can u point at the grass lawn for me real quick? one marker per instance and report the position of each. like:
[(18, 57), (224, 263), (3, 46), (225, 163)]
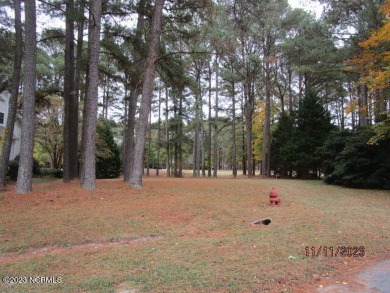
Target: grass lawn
[(188, 235)]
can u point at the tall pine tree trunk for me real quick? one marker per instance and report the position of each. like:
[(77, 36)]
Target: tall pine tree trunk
[(197, 150), (215, 151), (24, 182), (159, 131), (167, 132), (70, 146), (147, 93), (135, 85), (13, 101), (130, 143), (180, 163), (266, 154), (209, 143), (248, 127), (91, 100), (243, 148), (125, 116), (234, 155)]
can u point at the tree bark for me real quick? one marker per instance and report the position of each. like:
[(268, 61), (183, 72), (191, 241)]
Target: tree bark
[(125, 122), (77, 88), (167, 132), (197, 151), (248, 108), (24, 182), (147, 93), (91, 100), (130, 143), (70, 146), (215, 151), (266, 155), (13, 101), (234, 155), (149, 145), (158, 131), (209, 144), (180, 162), (135, 85)]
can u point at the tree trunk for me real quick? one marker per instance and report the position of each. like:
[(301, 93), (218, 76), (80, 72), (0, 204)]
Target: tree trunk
[(234, 155), (147, 93), (203, 150), (159, 131), (125, 117), (24, 182), (197, 150), (215, 152), (266, 155), (176, 140), (209, 144), (248, 127), (130, 143), (71, 113), (77, 88), (167, 132), (136, 81), (91, 100), (13, 101), (180, 162), (243, 148), (149, 145)]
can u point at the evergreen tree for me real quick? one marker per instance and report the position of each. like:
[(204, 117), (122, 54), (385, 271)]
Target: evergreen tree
[(24, 182), (15, 83), (282, 146), (108, 162), (313, 127), (357, 163), (88, 175)]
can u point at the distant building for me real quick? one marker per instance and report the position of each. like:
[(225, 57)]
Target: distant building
[(15, 148)]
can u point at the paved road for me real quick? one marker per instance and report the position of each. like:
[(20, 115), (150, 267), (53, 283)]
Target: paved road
[(375, 279)]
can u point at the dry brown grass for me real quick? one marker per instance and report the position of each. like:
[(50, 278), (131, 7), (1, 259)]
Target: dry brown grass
[(199, 232)]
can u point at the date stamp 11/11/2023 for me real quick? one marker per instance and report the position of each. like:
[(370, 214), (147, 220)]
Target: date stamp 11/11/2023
[(335, 251)]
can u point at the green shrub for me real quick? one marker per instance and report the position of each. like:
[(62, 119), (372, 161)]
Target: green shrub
[(353, 162), (52, 172), (108, 161), (13, 168)]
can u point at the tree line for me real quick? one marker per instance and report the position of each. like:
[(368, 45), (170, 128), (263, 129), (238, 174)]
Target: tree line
[(251, 85)]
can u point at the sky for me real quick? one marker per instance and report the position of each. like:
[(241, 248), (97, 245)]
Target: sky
[(309, 5)]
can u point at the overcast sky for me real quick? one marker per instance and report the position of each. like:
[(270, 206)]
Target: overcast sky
[(310, 5)]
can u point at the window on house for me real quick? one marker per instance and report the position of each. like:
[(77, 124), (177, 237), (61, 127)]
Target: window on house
[(1, 118)]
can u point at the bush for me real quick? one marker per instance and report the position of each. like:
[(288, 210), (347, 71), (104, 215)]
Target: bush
[(108, 161), (356, 163), (13, 168), (52, 172)]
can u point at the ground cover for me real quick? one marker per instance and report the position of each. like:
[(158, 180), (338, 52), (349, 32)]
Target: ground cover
[(189, 235)]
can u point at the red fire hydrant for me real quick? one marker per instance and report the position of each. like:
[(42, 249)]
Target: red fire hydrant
[(273, 197)]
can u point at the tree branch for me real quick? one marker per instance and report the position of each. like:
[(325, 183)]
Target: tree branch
[(183, 52)]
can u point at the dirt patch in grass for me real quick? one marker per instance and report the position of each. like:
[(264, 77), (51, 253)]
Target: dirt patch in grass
[(55, 249), (207, 242)]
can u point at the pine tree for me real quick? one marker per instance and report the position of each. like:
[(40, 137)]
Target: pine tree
[(147, 92), (88, 179), (24, 182), (313, 127), (6, 149)]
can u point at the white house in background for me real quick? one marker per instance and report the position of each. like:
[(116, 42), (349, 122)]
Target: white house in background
[(15, 149)]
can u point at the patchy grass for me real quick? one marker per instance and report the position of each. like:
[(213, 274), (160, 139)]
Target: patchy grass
[(199, 232), (39, 180)]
